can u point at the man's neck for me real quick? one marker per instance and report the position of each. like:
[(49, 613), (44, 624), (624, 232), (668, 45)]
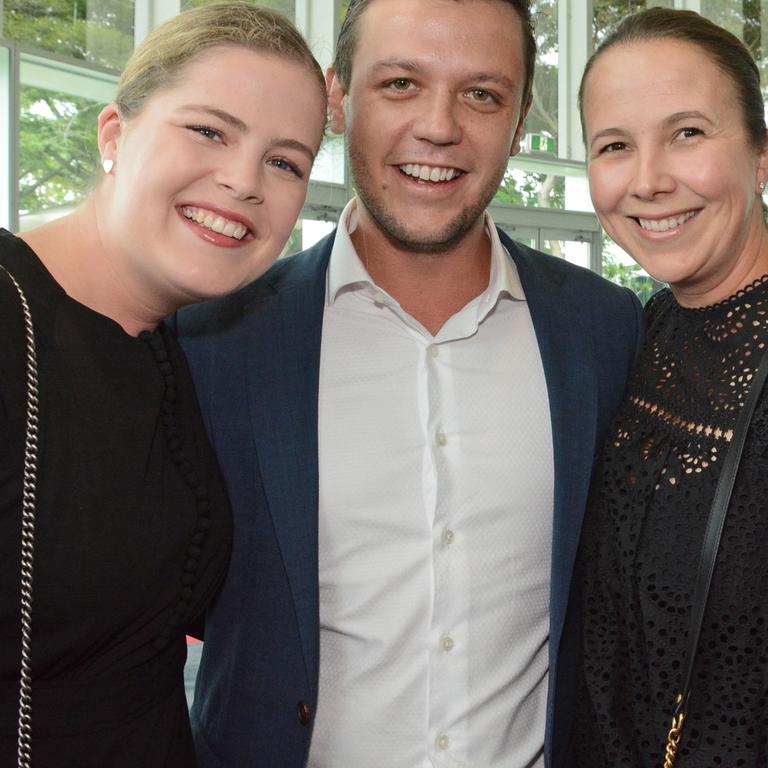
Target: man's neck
[(431, 287)]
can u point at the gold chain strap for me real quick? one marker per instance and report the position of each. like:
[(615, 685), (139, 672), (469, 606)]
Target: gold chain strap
[(673, 738)]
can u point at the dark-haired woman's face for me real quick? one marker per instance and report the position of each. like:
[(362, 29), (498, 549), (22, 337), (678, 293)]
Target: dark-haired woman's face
[(672, 174)]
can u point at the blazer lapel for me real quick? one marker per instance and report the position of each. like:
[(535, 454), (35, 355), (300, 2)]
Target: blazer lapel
[(283, 364), (568, 355)]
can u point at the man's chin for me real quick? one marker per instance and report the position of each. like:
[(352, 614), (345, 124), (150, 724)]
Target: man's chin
[(413, 239)]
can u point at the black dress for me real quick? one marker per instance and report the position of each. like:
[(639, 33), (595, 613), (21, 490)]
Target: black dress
[(642, 541), (132, 532)]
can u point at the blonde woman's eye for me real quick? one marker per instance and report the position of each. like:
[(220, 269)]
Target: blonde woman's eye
[(208, 133), (285, 165)]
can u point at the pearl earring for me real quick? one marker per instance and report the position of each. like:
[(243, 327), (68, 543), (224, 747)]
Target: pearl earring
[(761, 186), (107, 165)]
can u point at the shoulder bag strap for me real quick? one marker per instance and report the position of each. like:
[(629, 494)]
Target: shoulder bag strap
[(709, 549), (24, 748)]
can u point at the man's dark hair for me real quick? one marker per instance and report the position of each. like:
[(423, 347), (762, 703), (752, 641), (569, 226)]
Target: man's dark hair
[(347, 42)]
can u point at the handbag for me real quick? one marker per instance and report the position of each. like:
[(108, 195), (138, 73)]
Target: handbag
[(24, 744), (709, 549)]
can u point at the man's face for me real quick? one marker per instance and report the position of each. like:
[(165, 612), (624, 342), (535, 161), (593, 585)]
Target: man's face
[(432, 114)]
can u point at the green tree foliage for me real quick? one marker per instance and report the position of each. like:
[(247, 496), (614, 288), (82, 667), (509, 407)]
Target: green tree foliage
[(98, 32), (59, 153), (630, 276)]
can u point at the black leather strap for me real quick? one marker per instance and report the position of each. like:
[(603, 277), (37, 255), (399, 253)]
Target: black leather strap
[(715, 523)]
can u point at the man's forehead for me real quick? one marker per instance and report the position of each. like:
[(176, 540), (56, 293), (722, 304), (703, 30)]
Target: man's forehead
[(409, 35)]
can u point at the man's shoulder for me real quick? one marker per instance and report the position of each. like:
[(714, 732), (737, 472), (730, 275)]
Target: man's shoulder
[(541, 270), (303, 269)]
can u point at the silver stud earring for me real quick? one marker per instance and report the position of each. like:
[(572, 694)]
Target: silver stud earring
[(107, 165), (761, 186)]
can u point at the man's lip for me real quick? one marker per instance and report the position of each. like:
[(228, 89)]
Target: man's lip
[(224, 213), (455, 172)]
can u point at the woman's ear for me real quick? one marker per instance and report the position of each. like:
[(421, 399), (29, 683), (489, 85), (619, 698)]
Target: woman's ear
[(336, 97), (110, 128)]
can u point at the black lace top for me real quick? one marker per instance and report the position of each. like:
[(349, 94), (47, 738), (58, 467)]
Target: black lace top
[(642, 540)]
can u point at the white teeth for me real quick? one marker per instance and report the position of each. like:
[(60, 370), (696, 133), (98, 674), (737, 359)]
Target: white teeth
[(431, 173), (664, 225), (215, 223)]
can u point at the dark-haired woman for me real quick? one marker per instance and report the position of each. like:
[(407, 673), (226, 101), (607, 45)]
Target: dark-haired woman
[(676, 140)]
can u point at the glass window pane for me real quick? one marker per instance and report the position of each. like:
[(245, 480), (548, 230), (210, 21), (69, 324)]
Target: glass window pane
[(620, 268), (97, 31), (7, 215), (541, 123), (574, 251), (305, 234), (288, 7), (329, 165), (553, 184), (59, 157), (748, 20), (530, 188)]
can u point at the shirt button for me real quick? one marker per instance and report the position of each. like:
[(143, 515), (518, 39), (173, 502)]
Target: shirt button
[(304, 713), (447, 643), (379, 297), (442, 741), (433, 350), (448, 536), (441, 438)]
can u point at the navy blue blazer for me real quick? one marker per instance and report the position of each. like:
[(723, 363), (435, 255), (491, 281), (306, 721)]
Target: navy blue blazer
[(255, 358)]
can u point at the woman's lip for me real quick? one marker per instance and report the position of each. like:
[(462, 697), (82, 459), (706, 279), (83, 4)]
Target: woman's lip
[(224, 213), (668, 223), (218, 239)]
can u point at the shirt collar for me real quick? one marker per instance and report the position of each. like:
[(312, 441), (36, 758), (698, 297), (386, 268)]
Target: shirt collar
[(346, 271)]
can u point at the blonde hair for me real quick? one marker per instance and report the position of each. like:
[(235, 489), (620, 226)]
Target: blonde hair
[(159, 59)]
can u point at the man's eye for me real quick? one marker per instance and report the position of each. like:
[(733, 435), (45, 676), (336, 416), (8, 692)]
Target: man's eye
[(399, 84)]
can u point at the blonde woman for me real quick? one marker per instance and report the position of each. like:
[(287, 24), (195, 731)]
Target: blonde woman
[(206, 154)]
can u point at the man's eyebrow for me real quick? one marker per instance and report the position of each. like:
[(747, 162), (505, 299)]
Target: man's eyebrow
[(409, 65), (229, 119), (406, 64), (493, 77)]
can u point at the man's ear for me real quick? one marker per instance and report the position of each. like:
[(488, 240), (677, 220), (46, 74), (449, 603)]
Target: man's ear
[(336, 98), (520, 130), (110, 128)]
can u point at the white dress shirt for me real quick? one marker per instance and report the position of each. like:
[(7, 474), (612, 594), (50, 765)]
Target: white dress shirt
[(436, 493)]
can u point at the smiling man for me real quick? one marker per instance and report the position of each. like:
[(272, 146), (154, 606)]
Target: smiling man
[(407, 416)]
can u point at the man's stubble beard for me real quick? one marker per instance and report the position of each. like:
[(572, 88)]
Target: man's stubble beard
[(398, 232)]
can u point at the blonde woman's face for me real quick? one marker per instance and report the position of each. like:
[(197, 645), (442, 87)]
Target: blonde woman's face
[(210, 176)]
